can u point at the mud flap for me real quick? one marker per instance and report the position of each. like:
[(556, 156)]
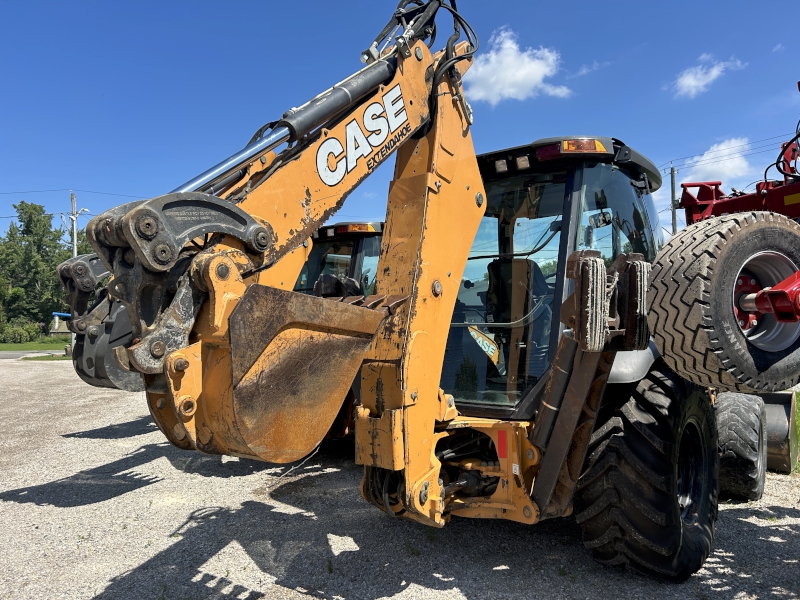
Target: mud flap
[(293, 359)]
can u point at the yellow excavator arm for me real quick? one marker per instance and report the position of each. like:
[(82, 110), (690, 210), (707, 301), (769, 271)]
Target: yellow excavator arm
[(233, 362)]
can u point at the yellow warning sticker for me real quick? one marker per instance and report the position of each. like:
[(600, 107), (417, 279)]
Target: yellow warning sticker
[(791, 199)]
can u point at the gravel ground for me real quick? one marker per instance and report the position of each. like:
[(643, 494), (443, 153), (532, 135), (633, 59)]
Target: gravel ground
[(93, 503)]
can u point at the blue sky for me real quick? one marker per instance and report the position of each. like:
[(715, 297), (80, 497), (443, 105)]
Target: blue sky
[(136, 98)]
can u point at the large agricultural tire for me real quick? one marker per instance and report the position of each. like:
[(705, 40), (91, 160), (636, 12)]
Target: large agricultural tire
[(691, 310), (647, 497), (742, 427)]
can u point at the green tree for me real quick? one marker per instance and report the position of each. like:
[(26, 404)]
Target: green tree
[(30, 251)]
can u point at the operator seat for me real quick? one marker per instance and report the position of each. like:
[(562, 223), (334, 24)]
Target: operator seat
[(518, 292)]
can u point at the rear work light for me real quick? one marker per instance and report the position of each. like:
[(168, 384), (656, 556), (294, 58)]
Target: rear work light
[(500, 166), (578, 146), (355, 227)]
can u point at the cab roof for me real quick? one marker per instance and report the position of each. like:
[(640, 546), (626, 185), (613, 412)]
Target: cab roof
[(558, 152)]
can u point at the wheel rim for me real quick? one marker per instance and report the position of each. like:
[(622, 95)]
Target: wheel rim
[(692, 472), (764, 270)]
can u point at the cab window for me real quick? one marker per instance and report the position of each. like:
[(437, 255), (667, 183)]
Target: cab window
[(498, 344), (370, 251), (331, 257), (613, 220)]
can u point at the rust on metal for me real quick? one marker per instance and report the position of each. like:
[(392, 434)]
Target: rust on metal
[(294, 358)]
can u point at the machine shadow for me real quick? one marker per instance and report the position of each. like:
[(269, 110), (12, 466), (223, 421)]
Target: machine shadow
[(118, 431), (92, 485), (725, 573), (119, 477), (292, 532)]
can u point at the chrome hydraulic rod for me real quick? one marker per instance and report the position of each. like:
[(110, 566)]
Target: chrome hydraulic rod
[(269, 142), (298, 122)]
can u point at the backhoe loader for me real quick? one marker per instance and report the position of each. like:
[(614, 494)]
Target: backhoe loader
[(504, 356)]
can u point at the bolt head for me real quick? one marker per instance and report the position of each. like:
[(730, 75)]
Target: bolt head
[(93, 331), (146, 227), (223, 270), (436, 288), (80, 270), (741, 323), (263, 160), (413, 395), (162, 254), (181, 364), (161, 403), (450, 402), (479, 199), (530, 454), (755, 322), (527, 512), (80, 325), (158, 348), (752, 282), (261, 240), (418, 53), (740, 281)]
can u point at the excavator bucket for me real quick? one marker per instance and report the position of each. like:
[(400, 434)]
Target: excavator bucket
[(293, 359)]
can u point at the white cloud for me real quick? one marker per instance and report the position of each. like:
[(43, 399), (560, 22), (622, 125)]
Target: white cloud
[(695, 80), (586, 69), (723, 162), (507, 72), (778, 48)]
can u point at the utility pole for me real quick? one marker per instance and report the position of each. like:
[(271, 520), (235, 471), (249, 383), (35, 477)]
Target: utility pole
[(74, 218), (674, 202)]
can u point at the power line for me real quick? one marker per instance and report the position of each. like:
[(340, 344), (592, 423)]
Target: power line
[(74, 190), (724, 157), (729, 147), (17, 216), (50, 215), (714, 161)]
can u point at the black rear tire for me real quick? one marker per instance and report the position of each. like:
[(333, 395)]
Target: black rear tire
[(742, 426), (691, 310), (647, 498)]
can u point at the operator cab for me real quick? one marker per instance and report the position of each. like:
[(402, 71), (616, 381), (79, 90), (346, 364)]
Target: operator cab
[(543, 202), (347, 252)]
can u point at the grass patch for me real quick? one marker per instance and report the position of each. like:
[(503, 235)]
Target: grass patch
[(47, 357), (45, 343)]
